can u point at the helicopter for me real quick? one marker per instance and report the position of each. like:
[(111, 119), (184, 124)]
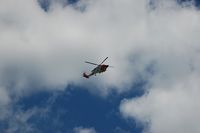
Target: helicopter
[(99, 69)]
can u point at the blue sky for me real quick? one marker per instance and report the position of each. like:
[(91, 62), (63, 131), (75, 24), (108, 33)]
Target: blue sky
[(76, 107), (41, 99)]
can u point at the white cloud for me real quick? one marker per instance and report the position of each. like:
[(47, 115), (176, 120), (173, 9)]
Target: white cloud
[(170, 102), (47, 50), (4, 96), (50, 48), (84, 130), (170, 109), (18, 120)]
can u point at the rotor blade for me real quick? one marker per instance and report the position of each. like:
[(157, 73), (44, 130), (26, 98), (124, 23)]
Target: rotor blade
[(91, 63), (104, 60)]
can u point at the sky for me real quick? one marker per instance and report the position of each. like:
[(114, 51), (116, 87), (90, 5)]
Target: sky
[(152, 44)]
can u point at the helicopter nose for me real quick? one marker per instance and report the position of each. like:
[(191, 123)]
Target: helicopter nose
[(106, 66)]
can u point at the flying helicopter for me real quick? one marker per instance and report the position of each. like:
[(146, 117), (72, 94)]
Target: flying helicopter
[(99, 69)]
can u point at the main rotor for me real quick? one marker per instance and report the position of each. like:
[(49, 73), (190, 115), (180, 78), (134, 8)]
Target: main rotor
[(96, 63)]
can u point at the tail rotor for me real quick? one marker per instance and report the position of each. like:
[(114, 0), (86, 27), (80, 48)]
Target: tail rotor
[(85, 75)]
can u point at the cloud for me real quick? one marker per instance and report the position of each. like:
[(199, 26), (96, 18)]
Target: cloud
[(167, 109), (4, 96), (18, 120), (84, 130), (46, 50), (169, 104)]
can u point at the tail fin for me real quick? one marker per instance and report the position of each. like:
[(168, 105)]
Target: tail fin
[(85, 75)]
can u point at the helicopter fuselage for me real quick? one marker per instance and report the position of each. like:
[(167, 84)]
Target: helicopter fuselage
[(99, 69)]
